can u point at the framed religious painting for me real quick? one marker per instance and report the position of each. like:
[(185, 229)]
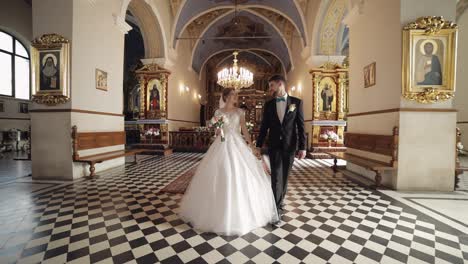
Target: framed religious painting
[(369, 75), (429, 60), (50, 69), (101, 80)]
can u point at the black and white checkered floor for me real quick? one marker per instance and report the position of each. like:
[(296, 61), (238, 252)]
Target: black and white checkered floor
[(121, 217)]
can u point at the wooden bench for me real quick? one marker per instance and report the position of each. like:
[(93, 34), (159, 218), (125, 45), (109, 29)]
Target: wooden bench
[(378, 144), (92, 140)]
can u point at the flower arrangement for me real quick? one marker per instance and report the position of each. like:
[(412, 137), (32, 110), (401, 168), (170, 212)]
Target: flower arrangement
[(330, 136), (461, 149), (152, 132), (250, 126), (218, 123)]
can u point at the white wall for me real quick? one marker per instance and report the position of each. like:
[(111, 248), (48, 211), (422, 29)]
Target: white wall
[(183, 106), (461, 94), (15, 19)]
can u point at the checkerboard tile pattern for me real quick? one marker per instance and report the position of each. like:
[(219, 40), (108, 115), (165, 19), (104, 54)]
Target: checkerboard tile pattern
[(122, 217)]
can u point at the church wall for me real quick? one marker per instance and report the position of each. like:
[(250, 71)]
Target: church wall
[(461, 94), (427, 139), (300, 78), (183, 106), (371, 42), (15, 19), (51, 146), (97, 43)]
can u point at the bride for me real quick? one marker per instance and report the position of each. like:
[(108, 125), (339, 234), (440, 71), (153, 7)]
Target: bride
[(230, 193)]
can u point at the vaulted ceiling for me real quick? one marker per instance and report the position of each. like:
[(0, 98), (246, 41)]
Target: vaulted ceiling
[(215, 26)]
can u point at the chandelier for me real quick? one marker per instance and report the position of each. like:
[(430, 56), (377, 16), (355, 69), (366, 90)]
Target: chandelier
[(235, 77)]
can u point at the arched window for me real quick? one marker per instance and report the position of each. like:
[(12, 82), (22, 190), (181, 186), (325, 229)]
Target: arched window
[(14, 68)]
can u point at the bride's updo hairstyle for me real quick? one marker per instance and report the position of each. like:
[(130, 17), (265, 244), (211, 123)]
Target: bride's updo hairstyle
[(226, 93)]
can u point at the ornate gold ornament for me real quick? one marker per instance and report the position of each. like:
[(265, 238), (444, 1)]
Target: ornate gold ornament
[(429, 60), (50, 100), (151, 76), (50, 66), (430, 95), (431, 24)]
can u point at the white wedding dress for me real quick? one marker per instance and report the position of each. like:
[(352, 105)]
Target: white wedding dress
[(230, 193)]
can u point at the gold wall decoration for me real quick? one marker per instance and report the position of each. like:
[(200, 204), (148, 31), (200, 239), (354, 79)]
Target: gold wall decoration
[(50, 69), (153, 92), (329, 105), (429, 60)]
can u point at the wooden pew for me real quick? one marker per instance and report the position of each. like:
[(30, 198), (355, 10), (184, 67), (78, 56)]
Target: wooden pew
[(91, 140), (378, 144)]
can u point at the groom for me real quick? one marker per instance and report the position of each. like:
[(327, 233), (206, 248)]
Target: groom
[(283, 119)]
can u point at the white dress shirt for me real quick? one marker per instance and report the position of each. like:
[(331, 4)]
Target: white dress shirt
[(281, 107)]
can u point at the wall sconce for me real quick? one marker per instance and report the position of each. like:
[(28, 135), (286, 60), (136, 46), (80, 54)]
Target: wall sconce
[(183, 89)]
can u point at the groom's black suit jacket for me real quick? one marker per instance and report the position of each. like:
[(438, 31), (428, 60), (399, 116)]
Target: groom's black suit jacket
[(289, 135)]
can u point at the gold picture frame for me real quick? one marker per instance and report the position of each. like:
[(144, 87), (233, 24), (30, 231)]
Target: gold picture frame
[(101, 80), (50, 69), (429, 60), (369, 75)]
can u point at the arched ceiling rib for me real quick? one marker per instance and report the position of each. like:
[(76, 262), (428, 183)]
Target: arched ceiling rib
[(287, 9), (248, 25)]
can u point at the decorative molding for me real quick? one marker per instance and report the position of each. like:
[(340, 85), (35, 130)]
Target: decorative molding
[(14, 118), (431, 24), (120, 23), (331, 25), (73, 111), (318, 60), (183, 121), (164, 62), (305, 53), (356, 11), (394, 110)]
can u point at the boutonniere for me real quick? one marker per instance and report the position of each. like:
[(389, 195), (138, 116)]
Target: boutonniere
[(292, 107)]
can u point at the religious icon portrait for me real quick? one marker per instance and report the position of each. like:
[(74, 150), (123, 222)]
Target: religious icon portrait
[(327, 95), (101, 80), (429, 53), (429, 57), (369, 75), (154, 95), (50, 69)]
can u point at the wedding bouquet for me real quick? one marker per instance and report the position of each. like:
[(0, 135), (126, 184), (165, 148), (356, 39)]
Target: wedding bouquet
[(330, 135), (218, 123), (249, 126)]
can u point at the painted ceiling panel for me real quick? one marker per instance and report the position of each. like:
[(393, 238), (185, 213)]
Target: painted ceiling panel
[(248, 25), (192, 8)]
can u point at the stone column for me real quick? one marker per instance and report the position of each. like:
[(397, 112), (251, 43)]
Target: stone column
[(97, 42), (426, 158)]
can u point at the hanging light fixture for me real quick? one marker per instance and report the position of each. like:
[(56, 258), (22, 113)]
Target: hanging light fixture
[(235, 77)]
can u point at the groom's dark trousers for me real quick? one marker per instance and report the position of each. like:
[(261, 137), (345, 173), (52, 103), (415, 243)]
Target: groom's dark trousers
[(284, 139)]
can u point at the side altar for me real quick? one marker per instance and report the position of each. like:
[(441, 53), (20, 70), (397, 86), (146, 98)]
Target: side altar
[(151, 128), (330, 106)]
